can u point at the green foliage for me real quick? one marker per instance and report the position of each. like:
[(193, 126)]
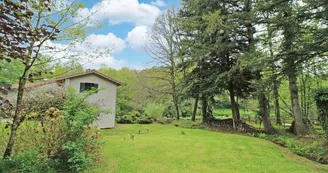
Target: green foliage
[(155, 110), (57, 69), (125, 119), (214, 46), (26, 162), (315, 150), (64, 140), (321, 99), (262, 135), (144, 120), (40, 100), (79, 115), (134, 117), (186, 108), (78, 159), (10, 72)]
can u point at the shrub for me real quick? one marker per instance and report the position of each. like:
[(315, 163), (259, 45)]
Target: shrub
[(263, 136), (125, 119), (37, 101), (134, 117), (65, 141), (78, 146), (144, 120), (155, 110), (26, 162), (321, 99), (185, 108), (315, 150)]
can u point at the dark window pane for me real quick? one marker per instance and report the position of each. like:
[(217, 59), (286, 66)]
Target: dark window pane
[(87, 86)]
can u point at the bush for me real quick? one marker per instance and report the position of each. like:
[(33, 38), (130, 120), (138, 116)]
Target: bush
[(125, 119), (321, 99), (37, 101), (155, 110), (145, 120), (26, 162), (315, 150), (185, 108), (134, 117), (79, 145), (64, 140)]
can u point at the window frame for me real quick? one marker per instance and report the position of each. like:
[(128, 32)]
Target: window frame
[(86, 86)]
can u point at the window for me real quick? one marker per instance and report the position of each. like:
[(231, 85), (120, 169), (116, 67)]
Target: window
[(87, 86)]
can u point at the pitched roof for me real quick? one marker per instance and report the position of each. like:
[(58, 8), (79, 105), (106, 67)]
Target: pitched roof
[(37, 84), (30, 85), (119, 83)]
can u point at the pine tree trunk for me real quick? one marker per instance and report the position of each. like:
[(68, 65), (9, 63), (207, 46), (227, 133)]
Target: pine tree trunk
[(176, 106), (276, 102), (193, 118), (204, 109), (234, 105), (302, 125), (264, 112)]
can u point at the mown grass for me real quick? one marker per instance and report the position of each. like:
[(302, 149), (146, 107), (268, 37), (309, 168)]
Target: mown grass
[(173, 149)]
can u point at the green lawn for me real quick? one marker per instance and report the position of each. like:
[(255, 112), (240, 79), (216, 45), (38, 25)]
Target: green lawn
[(166, 149), (229, 112)]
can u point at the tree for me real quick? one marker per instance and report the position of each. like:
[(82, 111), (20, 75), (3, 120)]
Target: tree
[(163, 48), (263, 101), (15, 28), (291, 30), (300, 24), (37, 24), (214, 39)]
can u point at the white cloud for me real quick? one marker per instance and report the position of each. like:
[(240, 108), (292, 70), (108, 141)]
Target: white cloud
[(109, 60), (118, 11), (159, 3), (88, 57), (100, 41), (137, 38)]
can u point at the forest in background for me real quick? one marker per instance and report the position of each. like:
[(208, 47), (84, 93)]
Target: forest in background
[(263, 59)]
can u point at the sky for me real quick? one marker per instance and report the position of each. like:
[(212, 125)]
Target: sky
[(124, 30)]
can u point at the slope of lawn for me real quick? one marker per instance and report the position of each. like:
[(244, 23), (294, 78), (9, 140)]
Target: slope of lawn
[(176, 150)]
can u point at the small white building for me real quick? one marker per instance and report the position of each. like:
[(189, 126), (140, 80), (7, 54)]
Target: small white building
[(105, 98)]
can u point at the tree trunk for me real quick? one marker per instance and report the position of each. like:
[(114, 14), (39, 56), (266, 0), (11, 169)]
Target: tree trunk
[(204, 109), (276, 102), (234, 105), (17, 120), (176, 106), (305, 94), (302, 124), (264, 112), (193, 118)]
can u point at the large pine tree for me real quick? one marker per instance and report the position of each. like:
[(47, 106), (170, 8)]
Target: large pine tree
[(216, 36)]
